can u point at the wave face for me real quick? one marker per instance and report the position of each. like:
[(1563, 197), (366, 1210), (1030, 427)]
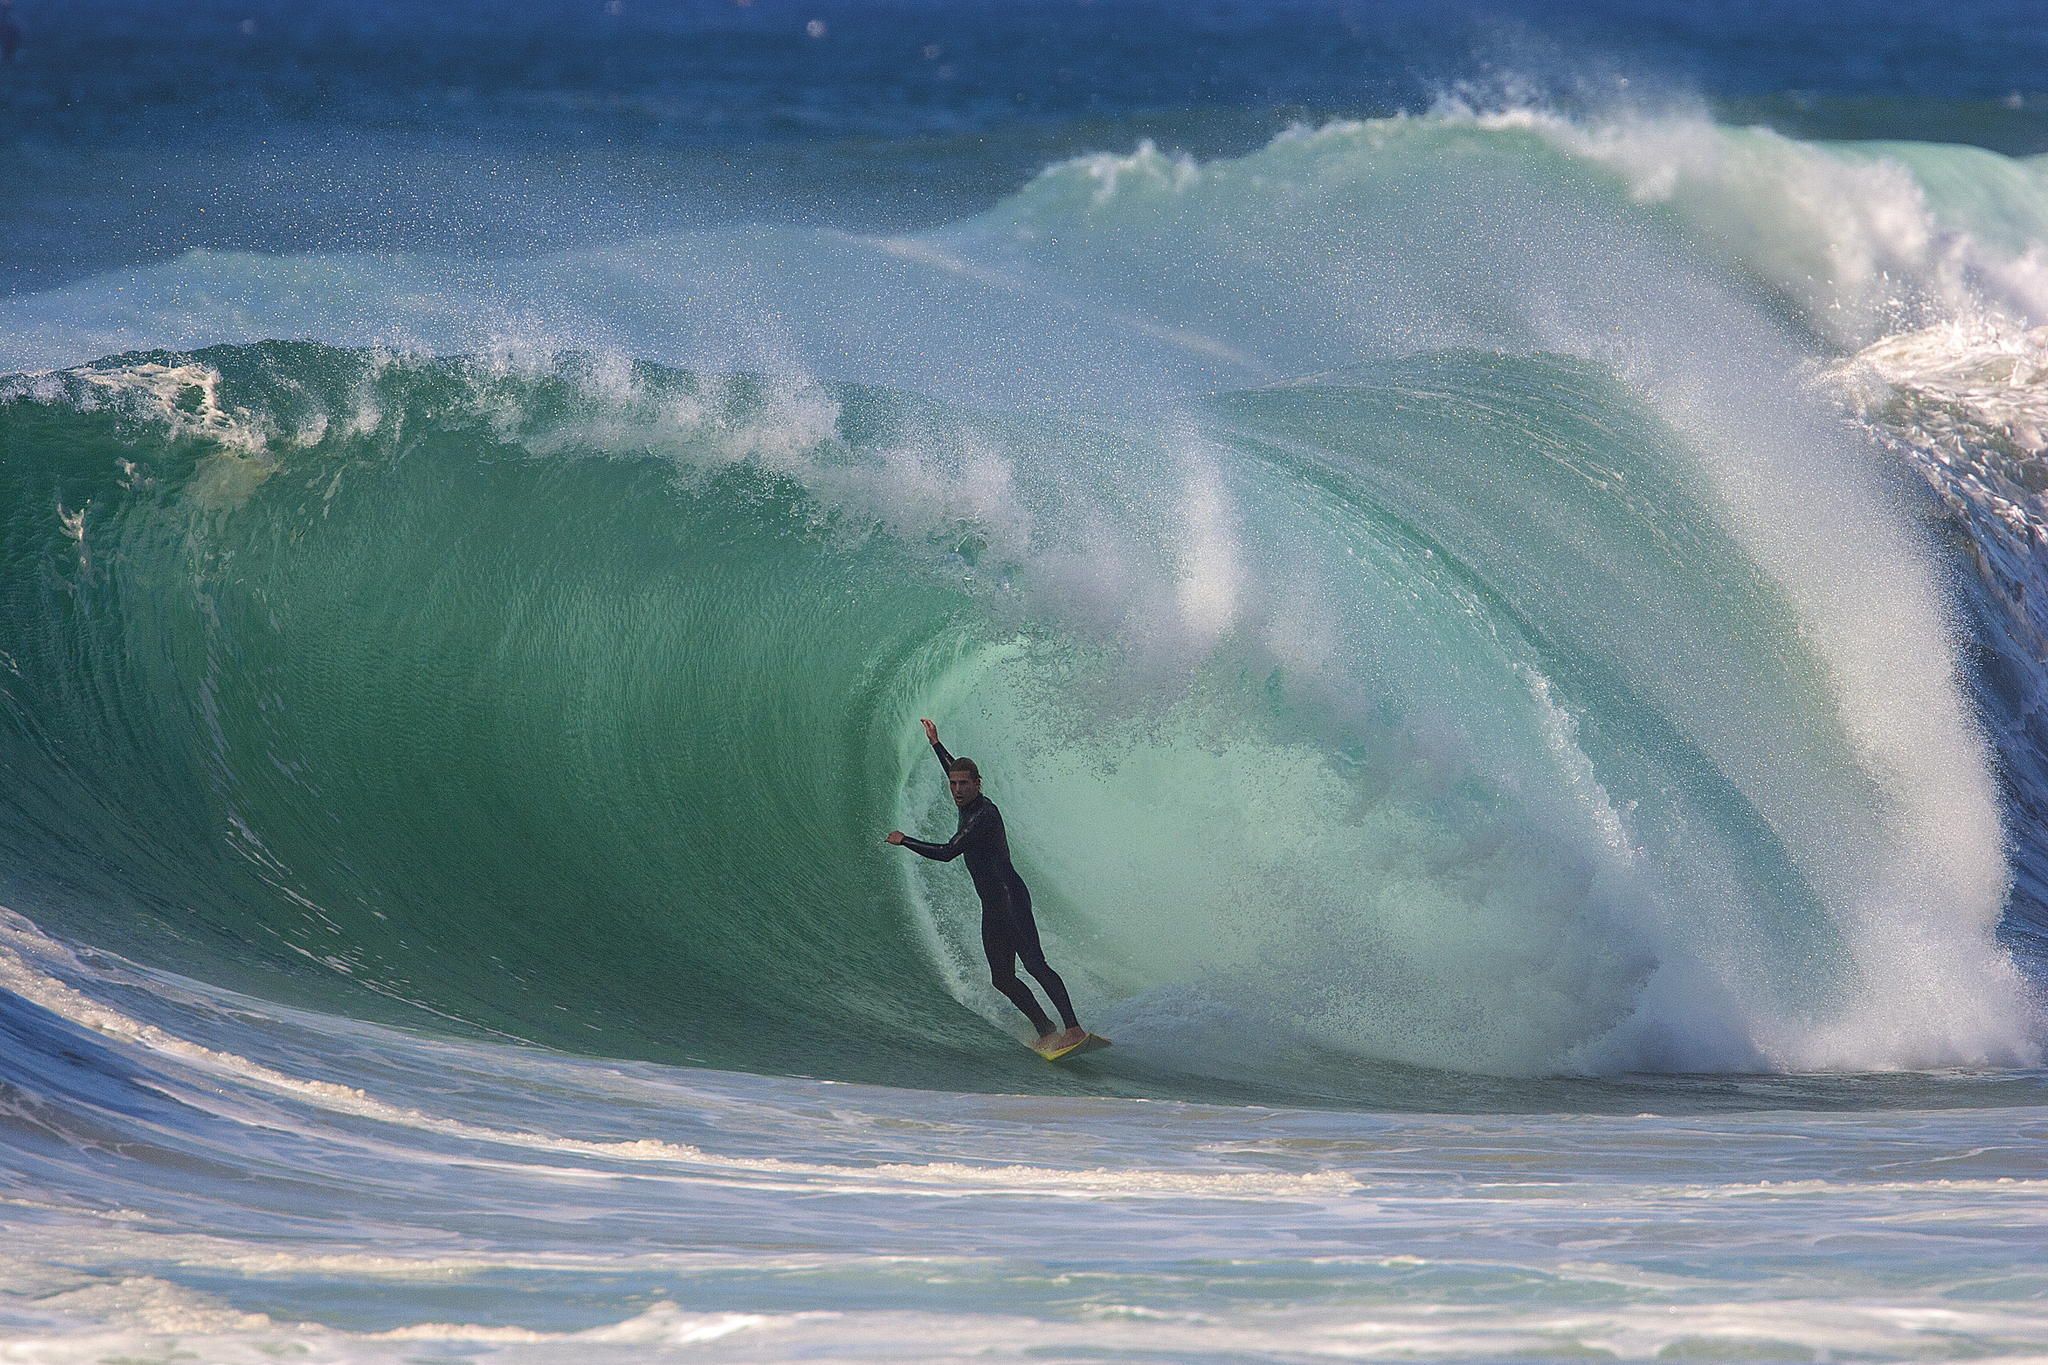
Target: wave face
[(1445, 713)]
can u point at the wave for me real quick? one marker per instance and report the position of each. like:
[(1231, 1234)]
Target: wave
[(1413, 588), (1440, 716)]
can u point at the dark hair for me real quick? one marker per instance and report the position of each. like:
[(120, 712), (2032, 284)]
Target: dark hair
[(964, 765)]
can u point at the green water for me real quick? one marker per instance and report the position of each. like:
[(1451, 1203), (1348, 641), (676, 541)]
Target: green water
[(1408, 718)]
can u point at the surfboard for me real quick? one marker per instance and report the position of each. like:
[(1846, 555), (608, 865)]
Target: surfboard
[(1091, 1043)]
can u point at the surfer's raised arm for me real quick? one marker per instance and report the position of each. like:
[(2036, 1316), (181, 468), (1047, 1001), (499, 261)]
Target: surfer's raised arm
[(931, 732), (955, 846)]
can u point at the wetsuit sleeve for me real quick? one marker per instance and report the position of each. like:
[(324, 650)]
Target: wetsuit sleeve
[(945, 759), (968, 832)]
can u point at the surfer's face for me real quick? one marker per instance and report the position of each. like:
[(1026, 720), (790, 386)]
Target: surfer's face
[(965, 788)]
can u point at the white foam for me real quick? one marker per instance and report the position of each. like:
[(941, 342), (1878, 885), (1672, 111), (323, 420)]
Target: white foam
[(22, 946), (1749, 1328), (1211, 574), (1852, 234), (186, 398), (1997, 375)]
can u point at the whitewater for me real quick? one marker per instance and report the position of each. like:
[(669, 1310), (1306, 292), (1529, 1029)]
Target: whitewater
[(1509, 636)]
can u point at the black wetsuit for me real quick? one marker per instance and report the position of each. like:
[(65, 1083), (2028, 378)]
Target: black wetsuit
[(1007, 930)]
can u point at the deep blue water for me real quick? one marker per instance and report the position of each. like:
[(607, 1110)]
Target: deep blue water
[(472, 127)]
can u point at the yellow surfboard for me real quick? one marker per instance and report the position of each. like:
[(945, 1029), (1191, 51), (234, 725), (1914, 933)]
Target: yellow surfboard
[(1089, 1044)]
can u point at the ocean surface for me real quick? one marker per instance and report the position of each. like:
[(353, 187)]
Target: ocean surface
[(1494, 557)]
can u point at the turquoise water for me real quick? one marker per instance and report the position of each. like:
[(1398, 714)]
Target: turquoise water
[(1506, 635)]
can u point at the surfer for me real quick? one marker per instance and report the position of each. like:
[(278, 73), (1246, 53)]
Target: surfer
[(1007, 930)]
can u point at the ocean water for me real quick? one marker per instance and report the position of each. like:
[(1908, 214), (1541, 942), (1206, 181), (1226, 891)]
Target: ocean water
[(1493, 558)]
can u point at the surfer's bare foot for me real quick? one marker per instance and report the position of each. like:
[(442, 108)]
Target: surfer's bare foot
[(1072, 1037)]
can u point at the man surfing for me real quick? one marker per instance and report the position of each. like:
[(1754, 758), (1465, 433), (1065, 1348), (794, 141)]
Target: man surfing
[(1007, 930)]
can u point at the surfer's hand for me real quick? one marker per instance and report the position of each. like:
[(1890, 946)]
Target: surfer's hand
[(895, 836), (931, 731)]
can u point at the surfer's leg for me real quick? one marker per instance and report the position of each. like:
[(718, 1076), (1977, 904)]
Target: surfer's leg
[(1054, 988), (1024, 939), (1002, 969)]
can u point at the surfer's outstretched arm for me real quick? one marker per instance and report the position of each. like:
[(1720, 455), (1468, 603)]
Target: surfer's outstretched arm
[(970, 829)]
